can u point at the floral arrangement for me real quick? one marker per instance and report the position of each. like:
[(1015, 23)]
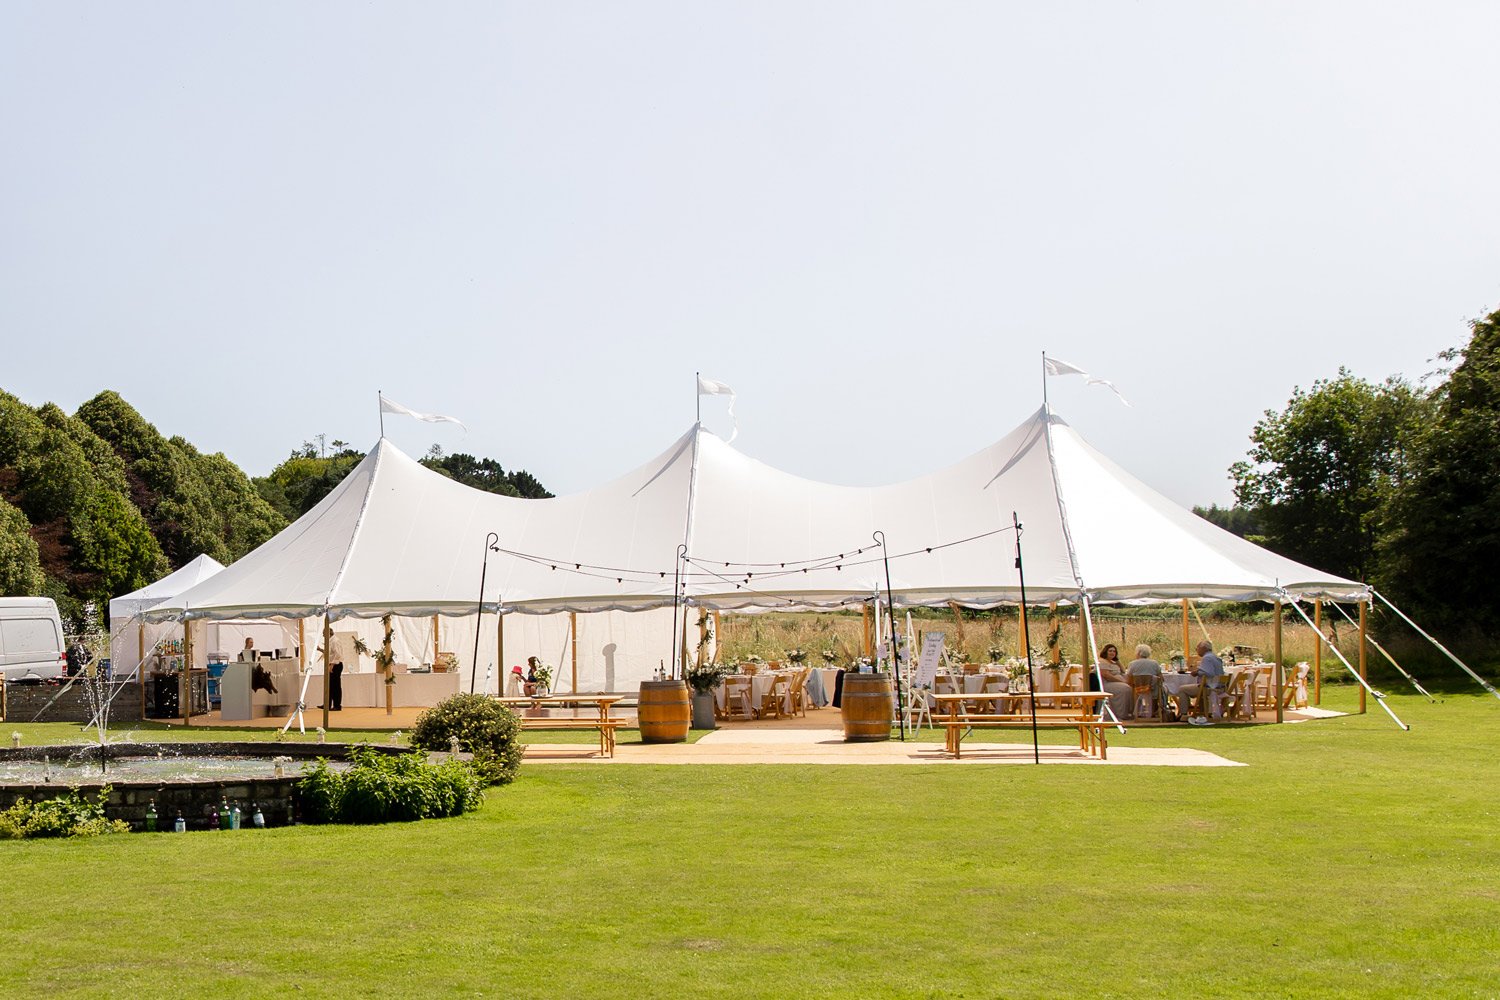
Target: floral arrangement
[(797, 656), (996, 654), (704, 677), (830, 657), (541, 674)]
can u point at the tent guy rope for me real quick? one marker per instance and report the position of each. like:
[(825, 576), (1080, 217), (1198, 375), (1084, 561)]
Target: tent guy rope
[(1379, 697)]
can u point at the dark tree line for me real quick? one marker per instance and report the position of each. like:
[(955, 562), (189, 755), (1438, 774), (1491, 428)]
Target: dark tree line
[(1395, 483)]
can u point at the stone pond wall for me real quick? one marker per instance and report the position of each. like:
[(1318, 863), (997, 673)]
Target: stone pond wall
[(129, 800)]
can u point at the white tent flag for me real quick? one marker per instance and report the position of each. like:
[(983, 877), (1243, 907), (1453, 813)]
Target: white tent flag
[(709, 387), (1056, 367), (390, 406)]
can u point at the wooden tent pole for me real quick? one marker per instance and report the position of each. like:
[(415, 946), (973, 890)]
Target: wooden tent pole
[(1276, 651), (1054, 653), (301, 645), (702, 638), (718, 637), (436, 639), (573, 645), (327, 658), (1318, 651), (185, 687), (1083, 641), (140, 668), (1187, 635), (1364, 606), (869, 642), (501, 676)]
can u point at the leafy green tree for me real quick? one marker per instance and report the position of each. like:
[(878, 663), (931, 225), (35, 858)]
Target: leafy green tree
[(1440, 554), (306, 477), (484, 474), (1236, 519), (194, 503), (310, 473), (20, 568), (1321, 470)]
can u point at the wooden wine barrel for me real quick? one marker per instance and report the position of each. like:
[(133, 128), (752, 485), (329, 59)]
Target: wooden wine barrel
[(664, 711), (868, 707)]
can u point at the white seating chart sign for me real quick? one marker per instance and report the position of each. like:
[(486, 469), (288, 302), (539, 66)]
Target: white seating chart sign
[(932, 651)]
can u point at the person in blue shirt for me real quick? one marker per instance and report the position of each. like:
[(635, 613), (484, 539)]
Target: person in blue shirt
[(1210, 673)]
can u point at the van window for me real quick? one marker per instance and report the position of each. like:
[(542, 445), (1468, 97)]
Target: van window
[(20, 636)]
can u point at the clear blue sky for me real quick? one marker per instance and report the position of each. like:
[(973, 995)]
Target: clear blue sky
[(868, 218)]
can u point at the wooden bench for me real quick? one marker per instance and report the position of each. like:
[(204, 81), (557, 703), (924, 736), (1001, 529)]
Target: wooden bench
[(1084, 717), (1090, 730), (603, 721), (606, 729)]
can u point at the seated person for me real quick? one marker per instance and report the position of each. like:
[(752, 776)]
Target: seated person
[(1115, 683), (1144, 667), (247, 654), (1210, 671), (1210, 674)]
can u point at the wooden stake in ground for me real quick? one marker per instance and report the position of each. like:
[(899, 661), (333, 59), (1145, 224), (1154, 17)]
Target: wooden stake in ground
[(1276, 675)]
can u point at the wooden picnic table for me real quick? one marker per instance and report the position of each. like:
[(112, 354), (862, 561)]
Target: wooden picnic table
[(601, 720), (1084, 714)]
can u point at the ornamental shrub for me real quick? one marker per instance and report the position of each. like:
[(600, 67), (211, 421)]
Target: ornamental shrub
[(384, 788), (68, 815), (484, 728)]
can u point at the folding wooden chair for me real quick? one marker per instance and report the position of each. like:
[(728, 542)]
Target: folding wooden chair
[(773, 702), (1238, 698), (737, 698), (1145, 689)]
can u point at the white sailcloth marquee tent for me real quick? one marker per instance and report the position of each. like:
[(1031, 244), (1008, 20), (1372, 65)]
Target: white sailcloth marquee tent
[(129, 634), (734, 534)]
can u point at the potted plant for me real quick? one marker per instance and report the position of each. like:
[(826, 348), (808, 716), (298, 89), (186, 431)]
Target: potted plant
[(703, 678)]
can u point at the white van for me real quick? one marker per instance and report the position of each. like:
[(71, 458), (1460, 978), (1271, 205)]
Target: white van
[(31, 639)]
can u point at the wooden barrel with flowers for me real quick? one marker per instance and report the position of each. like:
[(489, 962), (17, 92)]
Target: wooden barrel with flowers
[(868, 707), (664, 710)]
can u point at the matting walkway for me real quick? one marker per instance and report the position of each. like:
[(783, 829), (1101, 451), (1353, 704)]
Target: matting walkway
[(827, 746)]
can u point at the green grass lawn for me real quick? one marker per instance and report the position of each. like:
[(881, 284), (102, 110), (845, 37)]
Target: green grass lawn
[(1349, 859)]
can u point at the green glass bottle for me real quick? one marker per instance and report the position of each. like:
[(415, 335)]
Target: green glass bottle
[(151, 817)]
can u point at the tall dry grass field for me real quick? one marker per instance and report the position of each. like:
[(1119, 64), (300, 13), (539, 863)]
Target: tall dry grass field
[(772, 635)]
